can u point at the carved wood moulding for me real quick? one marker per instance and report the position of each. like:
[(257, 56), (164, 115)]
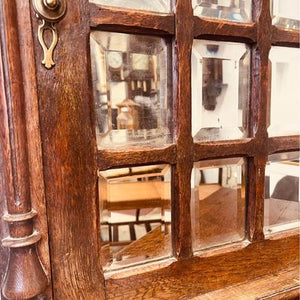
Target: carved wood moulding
[(25, 276)]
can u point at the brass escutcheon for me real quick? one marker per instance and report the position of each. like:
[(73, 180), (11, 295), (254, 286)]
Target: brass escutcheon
[(49, 12)]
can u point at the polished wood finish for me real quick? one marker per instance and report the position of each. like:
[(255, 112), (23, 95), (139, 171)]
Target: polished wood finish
[(202, 274), (25, 276), (107, 159), (137, 22), (69, 156), (61, 153)]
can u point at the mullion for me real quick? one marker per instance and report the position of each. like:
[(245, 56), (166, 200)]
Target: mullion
[(258, 119), (181, 191)]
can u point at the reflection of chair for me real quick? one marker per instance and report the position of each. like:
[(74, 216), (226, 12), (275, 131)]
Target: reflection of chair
[(287, 188), (137, 195)]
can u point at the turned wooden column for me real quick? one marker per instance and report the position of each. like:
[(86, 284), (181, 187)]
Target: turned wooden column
[(25, 277)]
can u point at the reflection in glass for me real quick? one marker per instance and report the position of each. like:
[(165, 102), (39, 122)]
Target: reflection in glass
[(220, 90), (232, 10), (130, 81), (161, 6), (286, 13), (282, 209), (285, 91), (135, 215), (218, 202)]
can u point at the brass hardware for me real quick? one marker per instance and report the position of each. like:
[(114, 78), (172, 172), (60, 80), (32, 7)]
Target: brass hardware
[(49, 12)]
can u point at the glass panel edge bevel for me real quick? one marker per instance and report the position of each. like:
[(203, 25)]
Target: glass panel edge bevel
[(284, 106), (220, 90), (234, 11), (131, 89), (285, 14)]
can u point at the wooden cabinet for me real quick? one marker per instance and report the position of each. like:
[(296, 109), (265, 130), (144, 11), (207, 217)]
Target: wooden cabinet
[(50, 158)]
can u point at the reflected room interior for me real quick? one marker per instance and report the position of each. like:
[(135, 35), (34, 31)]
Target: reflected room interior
[(130, 79), (135, 214), (218, 202), (282, 209)]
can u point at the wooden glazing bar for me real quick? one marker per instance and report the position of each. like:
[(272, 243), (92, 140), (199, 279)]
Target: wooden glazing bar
[(120, 158), (208, 150), (202, 274), (181, 177), (285, 37), (132, 21), (224, 30), (258, 119), (284, 144)]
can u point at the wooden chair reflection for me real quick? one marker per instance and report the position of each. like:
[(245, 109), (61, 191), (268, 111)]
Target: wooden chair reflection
[(138, 193)]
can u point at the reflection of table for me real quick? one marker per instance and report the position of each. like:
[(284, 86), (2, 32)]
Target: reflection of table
[(218, 217), (137, 195)]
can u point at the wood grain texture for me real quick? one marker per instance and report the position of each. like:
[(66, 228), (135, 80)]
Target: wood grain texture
[(281, 285), (107, 159), (224, 30), (117, 19), (5, 171), (285, 37), (218, 149), (33, 134), (284, 144), (69, 157), (25, 277), (181, 175), (188, 278)]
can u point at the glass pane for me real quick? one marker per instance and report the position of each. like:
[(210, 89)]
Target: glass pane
[(220, 90), (161, 6), (286, 13), (130, 82), (285, 91), (282, 209), (218, 202), (232, 10), (135, 215)]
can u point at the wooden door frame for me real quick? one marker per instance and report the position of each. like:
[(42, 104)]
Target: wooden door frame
[(51, 111)]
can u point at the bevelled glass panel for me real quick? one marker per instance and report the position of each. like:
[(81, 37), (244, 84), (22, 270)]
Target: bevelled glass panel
[(161, 6), (135, 215), (284, 110), (220, 90), (130, 78), (232, 10), (218, 202), (286, 13), (282, 209)]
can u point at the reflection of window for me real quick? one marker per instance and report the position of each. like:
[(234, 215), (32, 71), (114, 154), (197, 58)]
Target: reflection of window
[(220, 90), (233, 10), (130, 76), (285, 91), (286, 13), (282, 203)]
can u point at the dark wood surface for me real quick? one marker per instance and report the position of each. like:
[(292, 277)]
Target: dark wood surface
[(186, 279), (117, 19), (25, 276), (66, 159), (69, 158)]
